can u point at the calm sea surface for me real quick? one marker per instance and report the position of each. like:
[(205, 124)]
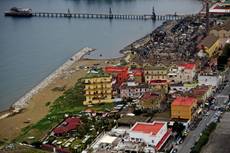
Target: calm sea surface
[(31, 48)]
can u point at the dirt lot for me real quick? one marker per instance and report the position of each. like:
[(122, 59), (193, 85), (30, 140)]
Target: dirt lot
[(220, 139)]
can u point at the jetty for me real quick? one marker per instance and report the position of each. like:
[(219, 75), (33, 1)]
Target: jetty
[(110, 15)]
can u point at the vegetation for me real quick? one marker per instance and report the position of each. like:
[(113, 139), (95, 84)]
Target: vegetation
[(178, 128), (223, 58), (204, 138), (48, 103), (71, 103)]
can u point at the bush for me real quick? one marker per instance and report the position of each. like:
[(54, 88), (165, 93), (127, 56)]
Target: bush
[(204, 138), (48, 103)]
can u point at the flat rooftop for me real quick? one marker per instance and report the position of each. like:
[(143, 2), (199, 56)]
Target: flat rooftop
[(149, 128)]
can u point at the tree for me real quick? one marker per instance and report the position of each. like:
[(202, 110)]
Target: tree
[(178, 128), (223, 58)]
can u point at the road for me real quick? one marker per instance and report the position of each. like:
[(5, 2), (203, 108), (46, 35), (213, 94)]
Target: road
[(194, 135)]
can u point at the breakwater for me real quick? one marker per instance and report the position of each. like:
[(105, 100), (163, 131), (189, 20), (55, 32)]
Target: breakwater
[(23, 101)]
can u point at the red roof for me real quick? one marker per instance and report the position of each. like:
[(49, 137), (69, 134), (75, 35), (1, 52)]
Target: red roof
[(149, 95), (184, 101), (137, 72), (116, 69), (163, 140), (189, 66), (158, 81), (149, 128), (69, 124)]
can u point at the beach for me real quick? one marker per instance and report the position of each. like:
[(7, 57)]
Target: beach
[(35, 106)]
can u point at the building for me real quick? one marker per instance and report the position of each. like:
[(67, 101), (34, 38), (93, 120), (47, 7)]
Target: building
[(137, 74), (182, 73), (120, 73), (98, 88), (133, 90), (211, 79), (66, 126), (221, 31), (187, 72), (156, 72), (152, 134), (201, 93), (159, 85), (173, 74), (182, 87), (183, 108), (151, 101), (220, 8), (209, 44)]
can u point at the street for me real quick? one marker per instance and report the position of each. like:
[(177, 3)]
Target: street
[(194, 135)]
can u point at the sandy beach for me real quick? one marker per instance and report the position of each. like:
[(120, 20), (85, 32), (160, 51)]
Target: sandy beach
[(36, 109)]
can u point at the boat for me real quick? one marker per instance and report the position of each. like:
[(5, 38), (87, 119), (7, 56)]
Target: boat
[(19, 12)]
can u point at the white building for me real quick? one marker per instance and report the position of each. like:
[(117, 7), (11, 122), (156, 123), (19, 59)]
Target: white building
[(209, 79), (152, 134), (182, 73)]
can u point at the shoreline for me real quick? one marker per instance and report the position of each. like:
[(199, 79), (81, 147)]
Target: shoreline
[(22, 102), (36, 107)]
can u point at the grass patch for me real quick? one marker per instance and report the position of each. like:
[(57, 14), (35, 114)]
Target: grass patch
[(204, 138), (71, 103)]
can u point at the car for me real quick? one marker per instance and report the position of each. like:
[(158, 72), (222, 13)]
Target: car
[(208, 113), (174, 150), (178, 140)]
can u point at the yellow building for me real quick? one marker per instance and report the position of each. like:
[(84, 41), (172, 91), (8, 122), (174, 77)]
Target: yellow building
[(156, 72), (98, 89), (210, 44), (183, 108)]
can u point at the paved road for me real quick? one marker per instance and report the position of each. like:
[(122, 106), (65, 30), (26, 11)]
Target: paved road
[(190, 140)]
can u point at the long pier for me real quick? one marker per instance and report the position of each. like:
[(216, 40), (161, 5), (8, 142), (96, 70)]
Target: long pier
[(110, 16)]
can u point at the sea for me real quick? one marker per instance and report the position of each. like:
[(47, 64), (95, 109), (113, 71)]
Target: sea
[(32, 48)]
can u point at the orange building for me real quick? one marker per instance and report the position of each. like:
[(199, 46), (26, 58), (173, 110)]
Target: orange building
[(183, 108), (120, 73)]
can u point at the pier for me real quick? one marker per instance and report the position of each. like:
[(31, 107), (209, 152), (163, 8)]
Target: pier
[(110, 16)]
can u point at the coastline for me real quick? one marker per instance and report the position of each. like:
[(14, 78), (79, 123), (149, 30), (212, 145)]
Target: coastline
[(32, 106), (12, 123), (22, 102)]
